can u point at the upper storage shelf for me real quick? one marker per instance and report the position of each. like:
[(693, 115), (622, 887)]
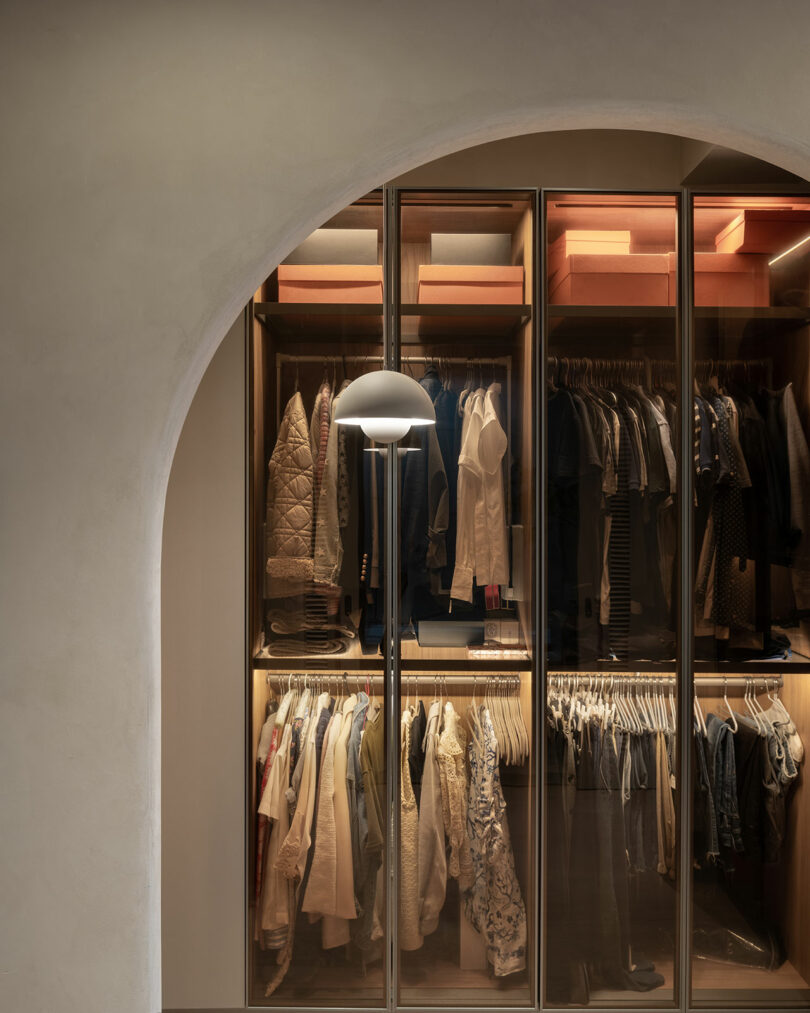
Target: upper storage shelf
[(364, 321)]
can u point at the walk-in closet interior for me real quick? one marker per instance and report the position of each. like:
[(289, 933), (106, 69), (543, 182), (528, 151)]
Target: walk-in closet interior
[(528, 687)]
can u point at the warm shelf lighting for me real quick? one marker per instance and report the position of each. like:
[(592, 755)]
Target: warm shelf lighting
[(790, 250)]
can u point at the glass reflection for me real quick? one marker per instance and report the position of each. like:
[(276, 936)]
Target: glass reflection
[(751, 606), (318, 799), (611, 558)]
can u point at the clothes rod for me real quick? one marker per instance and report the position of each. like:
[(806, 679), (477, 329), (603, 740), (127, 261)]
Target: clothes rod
[(326, 360), (653, 678), (353, 678)]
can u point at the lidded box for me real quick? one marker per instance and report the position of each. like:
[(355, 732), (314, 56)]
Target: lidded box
[(594, 279), (470, 283)]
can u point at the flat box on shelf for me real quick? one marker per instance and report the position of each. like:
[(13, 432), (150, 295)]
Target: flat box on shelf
[(764, 230), (339, 283), (337, 246), (586, 241), (631, 279), (725, 279), (479, 248), (475, 284)]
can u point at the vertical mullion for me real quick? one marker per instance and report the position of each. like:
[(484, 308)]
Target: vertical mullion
[(685, 625), (541, 581), (391, 684)]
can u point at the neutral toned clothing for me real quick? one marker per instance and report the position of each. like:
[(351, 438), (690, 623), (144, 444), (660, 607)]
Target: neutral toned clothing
[(289, 514), (469, 486), (481, 534), (335, 927), (292, 856), (320, 897), (453, 779), (274, 904), (328, 557), (432, 860), (493, 903), (492, 555), (410, 938)]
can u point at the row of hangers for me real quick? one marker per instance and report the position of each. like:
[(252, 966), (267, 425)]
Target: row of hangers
[(757, 712), (584, 371), (635, 704), (502, 700)]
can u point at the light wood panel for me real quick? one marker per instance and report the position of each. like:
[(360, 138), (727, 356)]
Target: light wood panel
[(796, 697)]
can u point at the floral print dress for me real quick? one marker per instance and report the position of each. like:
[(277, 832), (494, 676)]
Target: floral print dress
[(493, 904)]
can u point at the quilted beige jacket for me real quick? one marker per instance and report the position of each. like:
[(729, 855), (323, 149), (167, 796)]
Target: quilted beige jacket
[(288, 529)]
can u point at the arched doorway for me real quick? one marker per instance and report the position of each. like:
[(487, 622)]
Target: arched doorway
[(623, 159)]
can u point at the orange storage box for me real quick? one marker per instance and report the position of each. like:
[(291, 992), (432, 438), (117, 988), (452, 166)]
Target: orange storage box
[(726, 279), (586, 241), (462, 283), (631, 279), (764, 230), (352, 283)]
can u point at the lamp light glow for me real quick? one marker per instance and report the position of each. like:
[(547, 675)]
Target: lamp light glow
[(385, 404)]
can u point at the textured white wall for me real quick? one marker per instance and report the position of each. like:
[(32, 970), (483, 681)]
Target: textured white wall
[(158, 160)]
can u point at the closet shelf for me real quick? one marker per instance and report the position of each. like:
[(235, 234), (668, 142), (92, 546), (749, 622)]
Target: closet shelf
[(322, 321), (374, 662), (462, 320), (361, 321), (753, 668), (657, 324)]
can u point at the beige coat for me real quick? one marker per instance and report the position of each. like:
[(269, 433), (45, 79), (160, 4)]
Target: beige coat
[(289, 517), (328, 543)]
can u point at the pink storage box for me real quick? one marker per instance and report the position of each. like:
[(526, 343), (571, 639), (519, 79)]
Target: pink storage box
[(586, 241), (632, 279), (725, 279), (462, 283), (764, 230), (352, 283)]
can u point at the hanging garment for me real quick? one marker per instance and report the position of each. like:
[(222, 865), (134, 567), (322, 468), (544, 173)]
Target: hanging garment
[(416, 757), (328, 553), (492, 553), (424, 516), (446, 407), (335, 929), (320, 895), (798, 457), (469, 499), (274, 910), (453, 780), (372, 765), (292, 855), (432, 860), (319, 434), (410, 937), (493, 903), (289, 515)]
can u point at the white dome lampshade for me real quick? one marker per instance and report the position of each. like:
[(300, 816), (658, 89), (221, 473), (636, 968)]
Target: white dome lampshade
[(385, 405)]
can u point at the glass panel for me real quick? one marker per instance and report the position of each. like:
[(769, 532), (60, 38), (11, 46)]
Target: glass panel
[(318, 791), (466, 894), (751, 601), (611, 563)]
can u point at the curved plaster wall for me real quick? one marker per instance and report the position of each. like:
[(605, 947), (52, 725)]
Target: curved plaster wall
[(159, 159)]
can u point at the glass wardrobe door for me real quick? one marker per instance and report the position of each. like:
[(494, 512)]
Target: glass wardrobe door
[(466, 786), (751, 600), (610, 555), (317, 799)]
